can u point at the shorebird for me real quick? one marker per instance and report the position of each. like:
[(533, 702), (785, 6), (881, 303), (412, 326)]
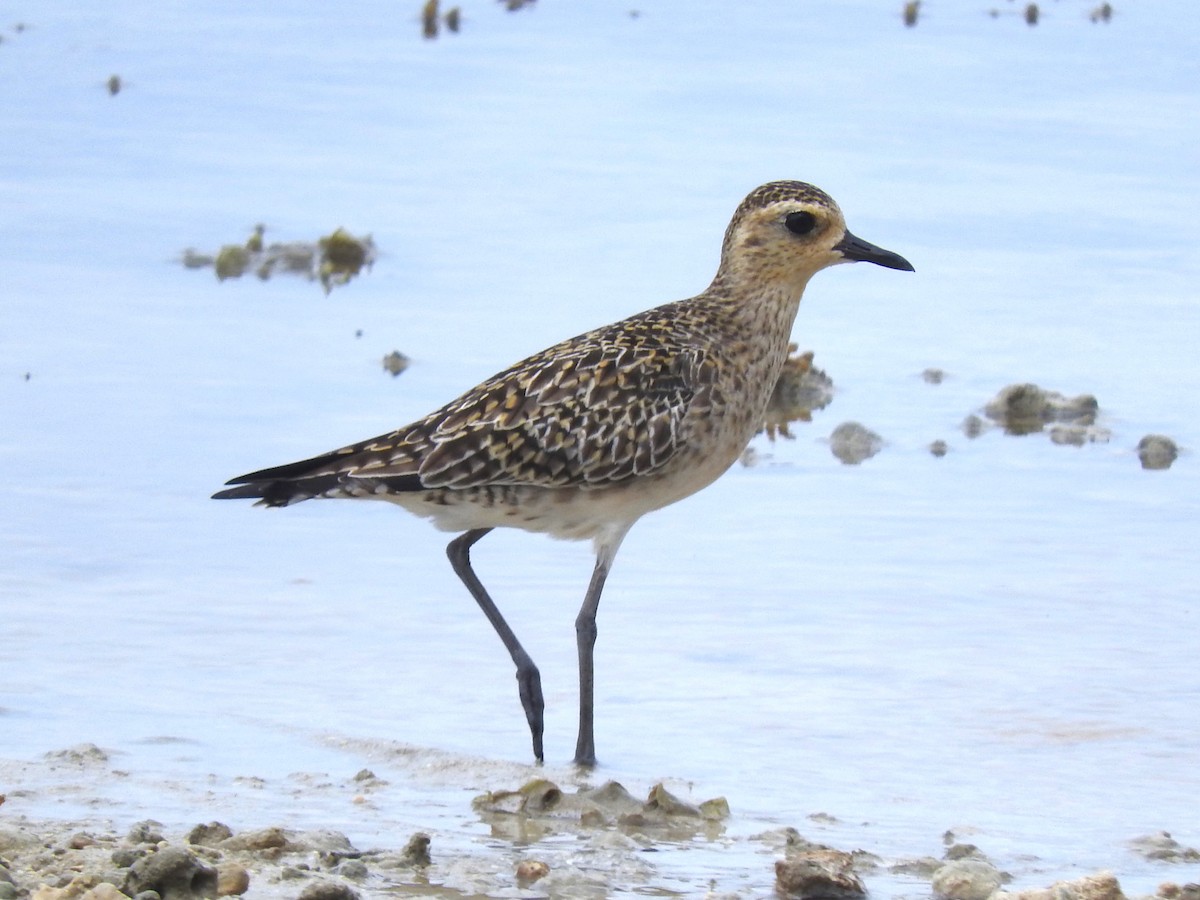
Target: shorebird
[(583, 439)]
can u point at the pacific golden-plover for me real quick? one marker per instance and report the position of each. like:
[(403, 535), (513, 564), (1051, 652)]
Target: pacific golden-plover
[(583, 439)]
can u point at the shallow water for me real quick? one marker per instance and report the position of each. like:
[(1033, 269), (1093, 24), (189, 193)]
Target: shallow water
[(999, 642)]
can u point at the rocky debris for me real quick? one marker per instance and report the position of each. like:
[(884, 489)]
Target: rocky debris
[(147, 831), (973, 426), (209, 835), (939, 448), (328, 890), (212, 861), (80, 755), (174, 873), (933, 376), (1171, 891), (1161, 846), (1026, 408), (1101, 886), (541, 807), (852, 443), (821, 872), (1078, 435), (966, 878), (395, 363), (530, 870), (416, 851), (1157, 451), (333, 260), (233, 879), (800, 390)]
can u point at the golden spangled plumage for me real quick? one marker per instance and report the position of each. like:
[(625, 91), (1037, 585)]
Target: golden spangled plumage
[(582, 439)]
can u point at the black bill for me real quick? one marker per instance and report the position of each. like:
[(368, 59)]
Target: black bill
[(858, 250)]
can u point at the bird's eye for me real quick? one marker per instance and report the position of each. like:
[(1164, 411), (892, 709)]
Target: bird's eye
[(800, 222)]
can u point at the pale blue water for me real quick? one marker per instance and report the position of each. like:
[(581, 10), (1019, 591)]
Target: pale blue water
[(1000, 641)]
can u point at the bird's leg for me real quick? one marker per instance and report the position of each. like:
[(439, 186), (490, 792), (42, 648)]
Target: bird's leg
[(585, 637), (529, 680)]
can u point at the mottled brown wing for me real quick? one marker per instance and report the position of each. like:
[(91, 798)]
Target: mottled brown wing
[(572, 415)]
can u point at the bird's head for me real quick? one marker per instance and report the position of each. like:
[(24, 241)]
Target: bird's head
[(786, 231)]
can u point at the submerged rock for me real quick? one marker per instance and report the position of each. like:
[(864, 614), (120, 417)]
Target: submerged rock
[(541, 807), (416, 850), (852, 443), (1078, 435), (395, 363), (800, 390), (1161, 846), (333, 259), (1027, 408), (1157, 451)]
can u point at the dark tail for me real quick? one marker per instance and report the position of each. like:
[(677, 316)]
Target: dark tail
[(328, 475)]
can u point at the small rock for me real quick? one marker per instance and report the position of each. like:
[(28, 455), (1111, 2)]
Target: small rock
[(1157, 451), (963, 851), (667, 803), (395, 363), (1078, 435), (8, 890), (13, 839), (613, 798), (818, 873), (933, 376), (540, 795), (232, 879), (416, 851), (939, 448), (104, 891), (801, 389), (124, 857), (852, 443), (354, 869), (147, 831), (231, 262), (530, 870), (175, 873), (716, 809), (1026, 408), (966, 879), (80, 755), (1161, 846), (209, 835), (328, 890), (1101, 886), (273, 838)]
